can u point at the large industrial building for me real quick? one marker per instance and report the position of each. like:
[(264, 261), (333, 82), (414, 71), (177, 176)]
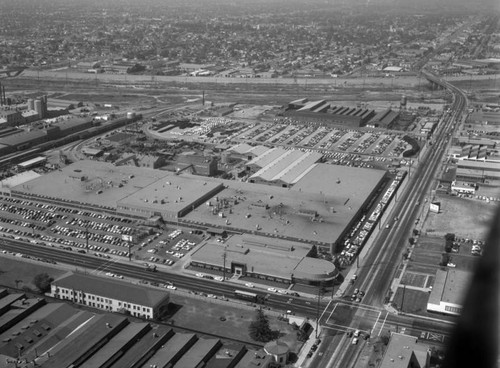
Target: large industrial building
[(321, 112), (448, 292), (383, 119), (36, 333), (21, 140), (110, 295), (320, 206), (405, 351), (264, 258), (477, 171), (281, 167)]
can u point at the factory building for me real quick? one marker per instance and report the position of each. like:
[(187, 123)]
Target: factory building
[(110, 295), (282, 167), (383, 119), (171, 198), (448, 292), (477, 171), (264, 258), (405, 351), (10, 117), (320, 206), (322, 113), (196, 164), (57, 334)]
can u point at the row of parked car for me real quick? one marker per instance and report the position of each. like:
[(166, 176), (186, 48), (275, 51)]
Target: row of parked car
[(100, 226), (91, 236)]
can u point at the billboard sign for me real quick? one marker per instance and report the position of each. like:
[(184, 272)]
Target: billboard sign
[(435, 207), (127, 238)]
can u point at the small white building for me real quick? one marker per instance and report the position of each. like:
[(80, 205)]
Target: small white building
[(111, 295)]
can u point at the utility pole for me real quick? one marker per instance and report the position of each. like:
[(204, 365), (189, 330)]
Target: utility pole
[(317, 308), (224, 267), (403, 297), (87, 236)]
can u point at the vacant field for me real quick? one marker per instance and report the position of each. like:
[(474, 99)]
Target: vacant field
[(204, 316), (12, 270), (466, 218), (414, 301), (414, 279), (431, 270), (426, 257)]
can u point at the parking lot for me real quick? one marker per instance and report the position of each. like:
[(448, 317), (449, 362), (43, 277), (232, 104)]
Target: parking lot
[(347, 143), (100, 234), (168, 247)]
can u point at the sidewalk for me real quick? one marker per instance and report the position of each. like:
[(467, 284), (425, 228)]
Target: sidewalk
[(302, 360)]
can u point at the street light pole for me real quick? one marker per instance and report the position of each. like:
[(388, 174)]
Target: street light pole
[(403, 297), (317, 308), (224, 266)]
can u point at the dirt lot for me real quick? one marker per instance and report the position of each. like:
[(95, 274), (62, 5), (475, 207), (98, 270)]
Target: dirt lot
[(468, 218)]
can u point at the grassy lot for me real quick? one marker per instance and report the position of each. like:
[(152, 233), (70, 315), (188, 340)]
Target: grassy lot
[(435, 243), (414, 279), (415, 301), (24, 272), (205, 316), (431, 270), (428, 258)]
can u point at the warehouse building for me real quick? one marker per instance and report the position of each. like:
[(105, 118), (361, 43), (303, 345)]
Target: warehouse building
[(282, 167), (477, 171), (171, 198), (383, 119), (264, 258), (196, 164), (110, 295), (243, 152), (60, 335), (448, 292), (323, 201), (322, 113), (405, 351)]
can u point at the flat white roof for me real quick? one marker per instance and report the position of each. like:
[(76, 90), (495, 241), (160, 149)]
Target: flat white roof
[(33, 161)]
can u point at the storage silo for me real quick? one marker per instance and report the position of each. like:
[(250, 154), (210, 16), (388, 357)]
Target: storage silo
[(39, 108), (403, 100)]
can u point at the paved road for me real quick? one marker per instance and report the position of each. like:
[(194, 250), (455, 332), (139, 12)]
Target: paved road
[(135, 271), (379, 266)]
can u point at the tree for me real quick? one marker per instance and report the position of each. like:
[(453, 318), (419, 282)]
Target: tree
[(259, 329), (445, 258), (42, 282), (449, 237)]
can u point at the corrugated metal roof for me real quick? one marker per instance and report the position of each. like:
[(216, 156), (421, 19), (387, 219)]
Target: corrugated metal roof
[(297, 169), (311, 105), (267, 157)]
